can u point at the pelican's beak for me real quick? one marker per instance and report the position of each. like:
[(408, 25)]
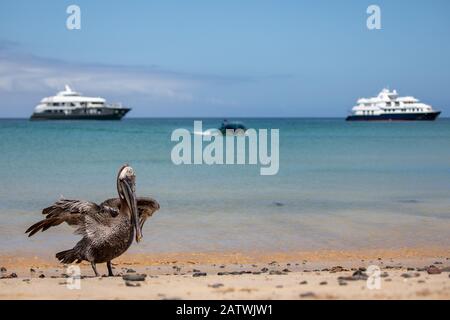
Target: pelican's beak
[(130, 198)]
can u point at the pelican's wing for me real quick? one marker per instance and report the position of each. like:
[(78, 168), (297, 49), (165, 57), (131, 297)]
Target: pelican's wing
[(73, 212), (146, 207)]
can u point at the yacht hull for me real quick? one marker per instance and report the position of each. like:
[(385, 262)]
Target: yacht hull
[(429, 116), (83, 114)]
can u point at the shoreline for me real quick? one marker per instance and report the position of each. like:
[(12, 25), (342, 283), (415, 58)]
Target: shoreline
[(404, 274), (240, 257)]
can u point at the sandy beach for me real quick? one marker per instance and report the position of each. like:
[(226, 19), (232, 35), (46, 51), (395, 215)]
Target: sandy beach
[(417, 273)]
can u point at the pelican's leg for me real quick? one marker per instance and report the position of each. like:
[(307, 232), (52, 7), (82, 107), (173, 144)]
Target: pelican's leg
[(94, 268), (110, 272)]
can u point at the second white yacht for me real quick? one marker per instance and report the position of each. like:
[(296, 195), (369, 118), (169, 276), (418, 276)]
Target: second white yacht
[(388, 106)]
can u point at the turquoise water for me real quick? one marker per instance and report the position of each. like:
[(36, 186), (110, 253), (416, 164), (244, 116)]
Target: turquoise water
[(340, 185)]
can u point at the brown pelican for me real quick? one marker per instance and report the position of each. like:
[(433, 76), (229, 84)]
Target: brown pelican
[(108, 229)]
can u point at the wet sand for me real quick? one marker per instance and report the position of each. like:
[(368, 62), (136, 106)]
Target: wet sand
[(413, 273)]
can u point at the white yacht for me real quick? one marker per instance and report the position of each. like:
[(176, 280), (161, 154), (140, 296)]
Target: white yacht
[(388, 106), (71, 105)]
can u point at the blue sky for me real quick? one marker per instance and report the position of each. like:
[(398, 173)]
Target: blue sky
[(224, 58)]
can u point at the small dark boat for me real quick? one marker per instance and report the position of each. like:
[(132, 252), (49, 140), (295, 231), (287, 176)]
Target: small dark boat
[(232, 125)]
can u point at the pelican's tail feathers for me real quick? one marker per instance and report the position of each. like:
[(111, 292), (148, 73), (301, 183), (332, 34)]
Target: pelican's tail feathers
[(68, 256)]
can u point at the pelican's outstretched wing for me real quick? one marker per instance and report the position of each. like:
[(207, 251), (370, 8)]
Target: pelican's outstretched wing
[(146, 207), (73, 212)]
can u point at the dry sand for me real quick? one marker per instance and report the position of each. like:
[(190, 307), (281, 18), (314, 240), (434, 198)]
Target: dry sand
[(405, 274)]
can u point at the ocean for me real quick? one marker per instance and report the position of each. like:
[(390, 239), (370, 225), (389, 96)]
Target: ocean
[(340, 185)]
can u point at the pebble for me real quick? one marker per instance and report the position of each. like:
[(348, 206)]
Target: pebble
[(357, 275), (134, 277), (304, 282), (307, 295), (433, 270), (199, 274), (132, 284), (3, 269), (323, 283), (277, 272), (336, 269), (42, 276)]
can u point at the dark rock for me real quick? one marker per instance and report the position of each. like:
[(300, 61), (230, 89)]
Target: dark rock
[(307, 295), (42, 276), (286, 270), (195, 270), (304, 282), (215, 285), (410, 269), (3, 269), (199, 274), (256, 272), (221, 267), (336, 269), (222, 273), (422, 269), (131, 271), (433, 270), (357, 275), (277, 272), (438, 262), (32, 270), (264, 270), (134, 277), (323, 283), (342, 283), (132, 284), (362, 269), (384, 275), (325, 270), (406, 275)]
